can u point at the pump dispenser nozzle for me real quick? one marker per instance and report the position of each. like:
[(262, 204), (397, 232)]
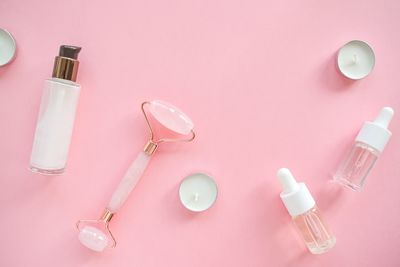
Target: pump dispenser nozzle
[(66, 63), (69, 51)]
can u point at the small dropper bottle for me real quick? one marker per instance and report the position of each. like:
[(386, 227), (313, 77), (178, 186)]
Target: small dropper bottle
[(305, 214), (369, 144)]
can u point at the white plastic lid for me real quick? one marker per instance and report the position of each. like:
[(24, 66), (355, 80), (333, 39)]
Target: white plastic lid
[(296, 196), (7, 47), (376, 133)]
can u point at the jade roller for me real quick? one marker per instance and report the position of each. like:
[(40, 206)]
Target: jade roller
[(96, 234)]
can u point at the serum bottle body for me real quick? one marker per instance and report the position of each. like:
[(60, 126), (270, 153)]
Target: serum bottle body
[(54, 126), (314, 231), (56, 115), (369, 144), (305, 214), (356, 166)]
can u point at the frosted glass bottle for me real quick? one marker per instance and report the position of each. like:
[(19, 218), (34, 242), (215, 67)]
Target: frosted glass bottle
[(56, 115), (305, 214), (369, 144)]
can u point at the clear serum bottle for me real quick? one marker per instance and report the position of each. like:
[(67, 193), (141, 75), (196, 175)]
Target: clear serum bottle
[(369, 144), (57, 114), (305, 214)]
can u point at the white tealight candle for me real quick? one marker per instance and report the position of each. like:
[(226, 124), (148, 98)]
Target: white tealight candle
[(198, 192), (7, 47), (356, 59)]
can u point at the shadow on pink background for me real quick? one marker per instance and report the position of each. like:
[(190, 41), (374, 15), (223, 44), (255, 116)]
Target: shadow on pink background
[(260, 82)]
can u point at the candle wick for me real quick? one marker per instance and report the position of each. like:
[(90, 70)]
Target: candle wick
[(196, 197), (355, 59)]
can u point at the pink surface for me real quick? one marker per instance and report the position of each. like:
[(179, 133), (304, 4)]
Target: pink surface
[(259, 81)]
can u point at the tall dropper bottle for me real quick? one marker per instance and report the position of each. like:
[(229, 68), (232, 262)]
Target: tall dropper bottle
[(369, 144), (305, 214)]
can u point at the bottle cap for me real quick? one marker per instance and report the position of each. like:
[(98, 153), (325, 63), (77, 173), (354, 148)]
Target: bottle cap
[(376, 133), (295, 196), (66, 63)]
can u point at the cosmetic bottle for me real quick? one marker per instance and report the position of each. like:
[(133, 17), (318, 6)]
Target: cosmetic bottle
[(369, 144), (305, 214), (56, 114)]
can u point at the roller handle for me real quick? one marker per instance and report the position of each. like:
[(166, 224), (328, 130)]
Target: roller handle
[(131, 178)]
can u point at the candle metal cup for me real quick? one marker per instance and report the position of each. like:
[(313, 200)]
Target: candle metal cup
[(198, 192), (355, 60), (8, 47)]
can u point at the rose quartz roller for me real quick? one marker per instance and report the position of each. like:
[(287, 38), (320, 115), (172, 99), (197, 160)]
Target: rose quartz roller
[(170, 117)]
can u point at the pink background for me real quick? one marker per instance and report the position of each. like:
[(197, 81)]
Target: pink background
[(258, 79)]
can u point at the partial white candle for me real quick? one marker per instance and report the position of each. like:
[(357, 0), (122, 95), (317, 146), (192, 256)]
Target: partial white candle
[(356, 59), (8, 47), (198, 192)]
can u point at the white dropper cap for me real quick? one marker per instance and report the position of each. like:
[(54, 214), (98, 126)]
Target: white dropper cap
[(376, 133), (296, 196)]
